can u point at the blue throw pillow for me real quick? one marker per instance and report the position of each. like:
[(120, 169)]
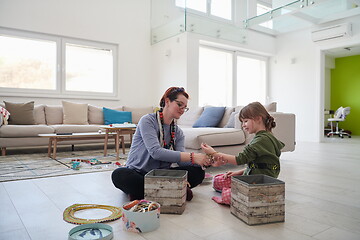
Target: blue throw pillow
[(112, 116), (210, 117)]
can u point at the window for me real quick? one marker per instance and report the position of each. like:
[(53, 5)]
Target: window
[(262, 8), (221, 8), (217, 8), (44, 64), (215, 77), (251, 79), (23, 60), (221, 84), (88, 69)]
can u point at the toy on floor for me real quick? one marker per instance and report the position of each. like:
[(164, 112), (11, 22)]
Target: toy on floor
[(69, 213)]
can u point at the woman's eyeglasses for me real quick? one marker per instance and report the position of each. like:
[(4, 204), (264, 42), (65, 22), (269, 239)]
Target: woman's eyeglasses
[(181, 105)]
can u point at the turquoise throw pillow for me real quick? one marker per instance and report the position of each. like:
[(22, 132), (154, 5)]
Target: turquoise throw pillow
[(112, 116), (210, 117)]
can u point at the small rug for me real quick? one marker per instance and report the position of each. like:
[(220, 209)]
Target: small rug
[(38, 165)]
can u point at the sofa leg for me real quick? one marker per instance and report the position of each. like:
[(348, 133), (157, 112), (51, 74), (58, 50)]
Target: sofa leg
[(3, 151)]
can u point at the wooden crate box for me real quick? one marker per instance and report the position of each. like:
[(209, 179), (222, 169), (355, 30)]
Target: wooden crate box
[(258, 199), (167, 187)]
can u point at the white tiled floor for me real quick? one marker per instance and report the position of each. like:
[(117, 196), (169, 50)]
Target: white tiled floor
[(322, 202)]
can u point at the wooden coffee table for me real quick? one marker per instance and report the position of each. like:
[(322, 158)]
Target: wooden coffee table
[(119, 130), (55, 138)]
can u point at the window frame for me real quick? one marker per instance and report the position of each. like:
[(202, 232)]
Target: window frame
[(60, 91)]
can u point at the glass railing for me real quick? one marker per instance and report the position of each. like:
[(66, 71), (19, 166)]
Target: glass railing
[(301, 14), (168, 20), (216, 29)]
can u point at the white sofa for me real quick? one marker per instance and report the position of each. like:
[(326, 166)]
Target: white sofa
[(232, 139), (49, 119)]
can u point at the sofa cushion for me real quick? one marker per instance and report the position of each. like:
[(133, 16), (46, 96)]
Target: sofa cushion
[(39, 114), (270, 107), (53, 114), (114, 116), (95, 115), (75, 113), (237, 121), (210, 117), (225, 118), (190, 117), (231, 122), (212, 136), (234, 137), (72, 128), (18, 131), (20, 113), (138, 112), (238, 108)]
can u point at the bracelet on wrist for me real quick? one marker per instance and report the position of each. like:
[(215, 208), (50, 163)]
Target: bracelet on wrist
[(192, 157)]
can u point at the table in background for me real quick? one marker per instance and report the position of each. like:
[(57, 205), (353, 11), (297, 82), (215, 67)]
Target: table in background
[(55, 138), (119, 130)]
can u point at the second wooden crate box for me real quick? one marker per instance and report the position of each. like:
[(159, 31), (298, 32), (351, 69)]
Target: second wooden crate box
[(167, 187)]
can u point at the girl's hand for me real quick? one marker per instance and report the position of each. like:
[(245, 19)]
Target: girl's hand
[(207, 149), (227, 174), (236, 173)]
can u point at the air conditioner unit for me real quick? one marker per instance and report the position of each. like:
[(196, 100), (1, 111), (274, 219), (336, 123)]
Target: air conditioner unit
[(333, 32)]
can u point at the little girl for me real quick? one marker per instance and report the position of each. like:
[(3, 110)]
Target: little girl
[(261, 155)]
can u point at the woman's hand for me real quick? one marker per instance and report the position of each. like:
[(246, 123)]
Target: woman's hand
[(201, 159)]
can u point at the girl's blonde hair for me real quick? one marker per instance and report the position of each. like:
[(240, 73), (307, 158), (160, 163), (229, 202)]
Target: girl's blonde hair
[(254, 110)]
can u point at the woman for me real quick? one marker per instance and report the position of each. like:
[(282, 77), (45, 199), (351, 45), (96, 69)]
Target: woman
[(159, 144)]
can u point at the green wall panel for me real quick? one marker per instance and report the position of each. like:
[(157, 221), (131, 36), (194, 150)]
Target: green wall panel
[(345, 90)]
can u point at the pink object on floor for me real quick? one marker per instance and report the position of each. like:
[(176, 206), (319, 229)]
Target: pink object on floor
[(208, 175), (219, 182), (225, 197)]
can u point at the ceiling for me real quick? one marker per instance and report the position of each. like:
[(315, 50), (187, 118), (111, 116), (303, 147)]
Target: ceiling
[(343, 51), (300, 14)]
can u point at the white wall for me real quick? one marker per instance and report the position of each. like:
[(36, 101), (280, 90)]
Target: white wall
[(169, 65), (123, 22), (298, 78)]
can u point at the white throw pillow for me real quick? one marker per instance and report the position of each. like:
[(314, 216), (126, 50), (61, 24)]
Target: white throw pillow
[(231, 122), (75, 113)]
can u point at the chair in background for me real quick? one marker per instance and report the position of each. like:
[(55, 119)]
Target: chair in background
[(339, 116)]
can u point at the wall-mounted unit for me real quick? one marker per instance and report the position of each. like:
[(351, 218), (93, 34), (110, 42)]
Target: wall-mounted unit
[(333, 32)]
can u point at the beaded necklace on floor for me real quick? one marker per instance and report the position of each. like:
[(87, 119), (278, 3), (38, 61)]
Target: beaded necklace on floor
[(171, 144)]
